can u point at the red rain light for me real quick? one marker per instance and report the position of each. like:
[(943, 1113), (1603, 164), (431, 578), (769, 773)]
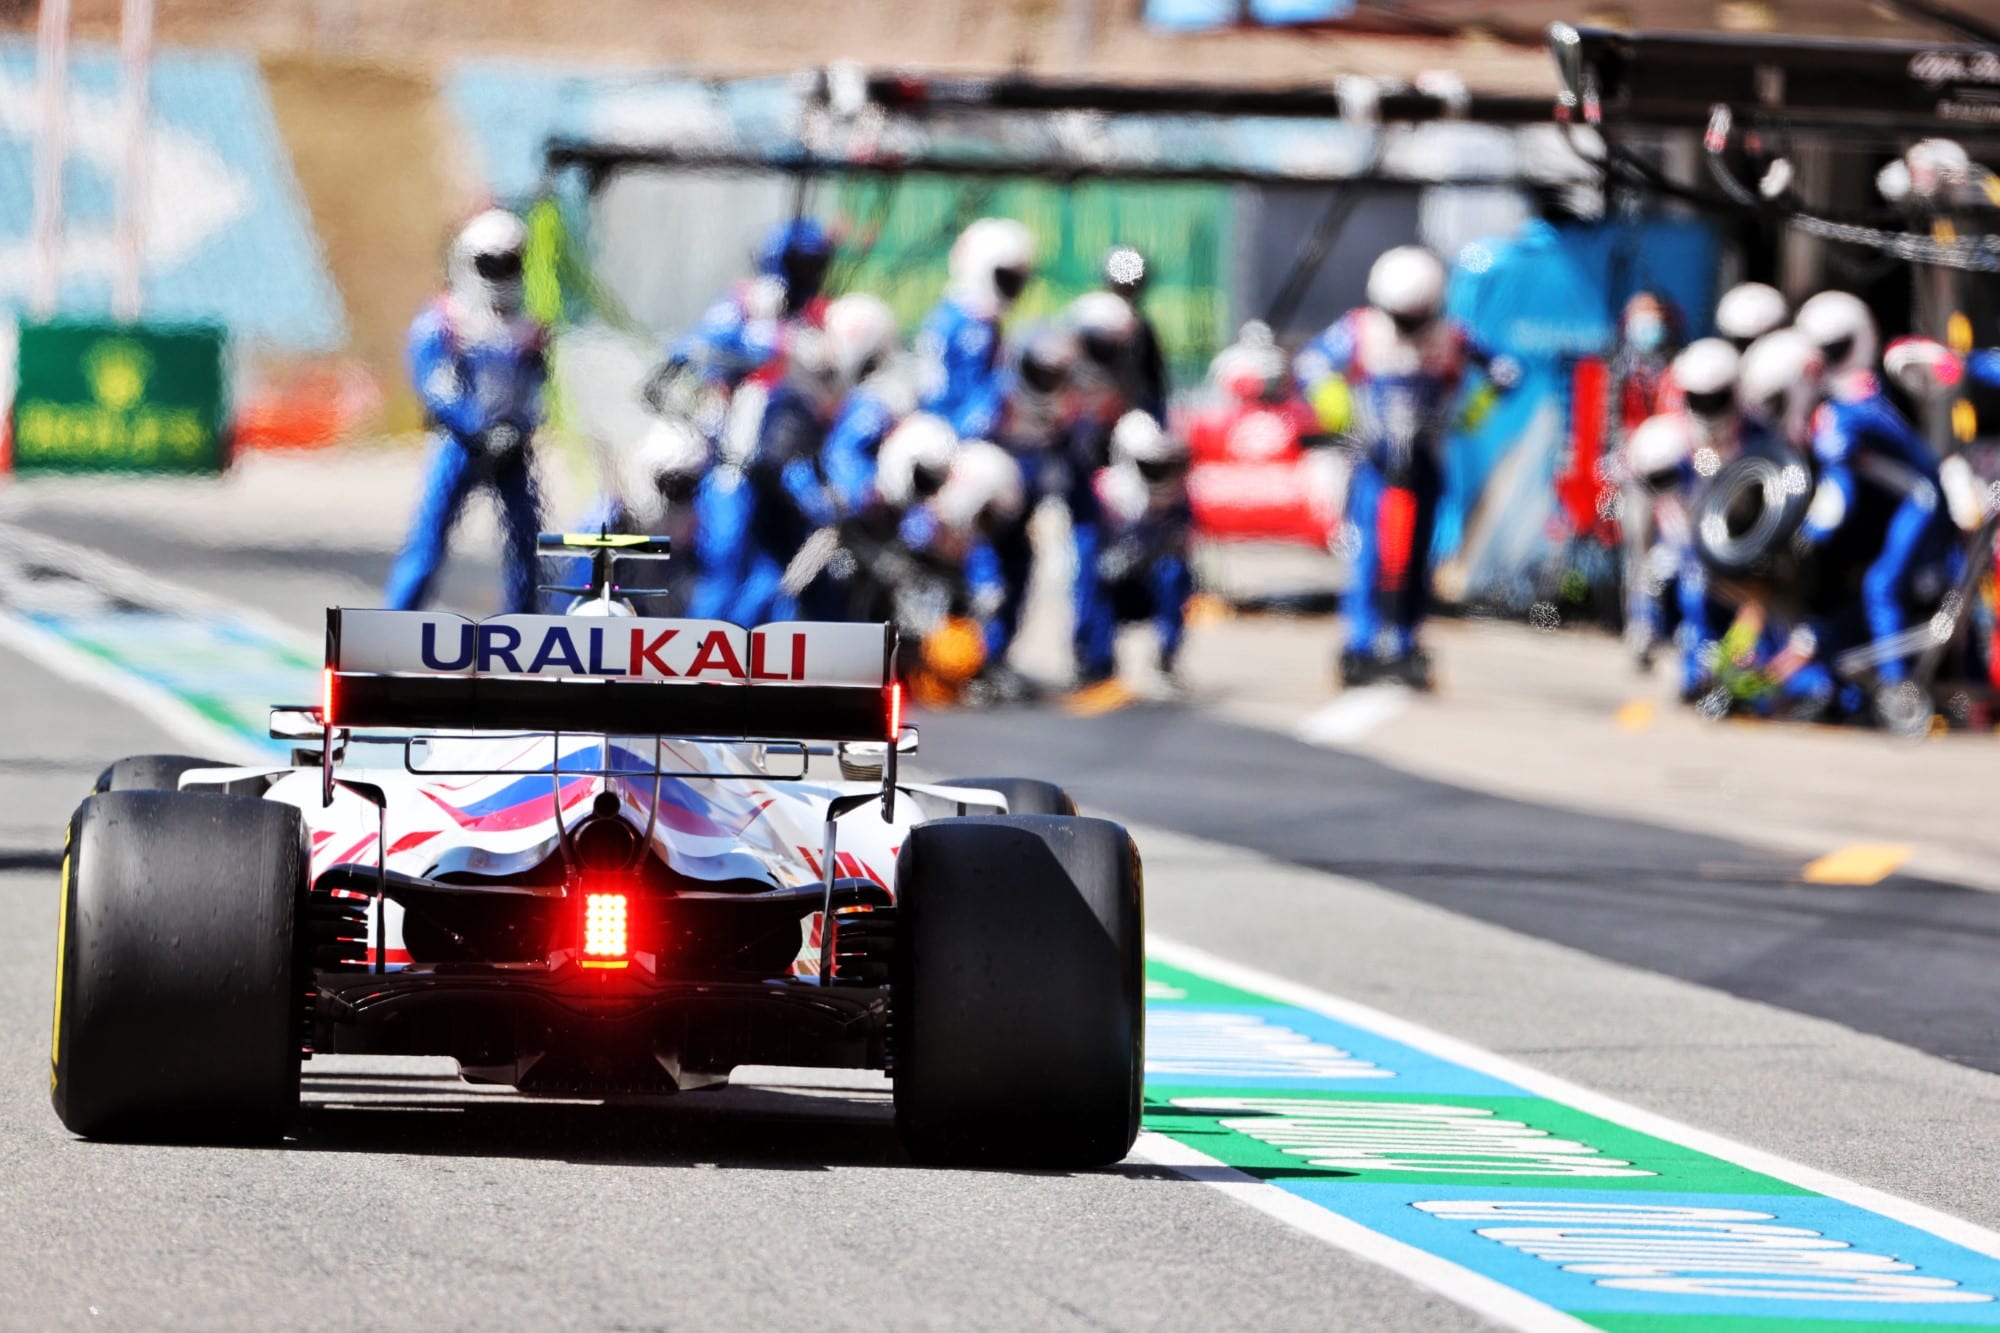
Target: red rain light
[(604, 933), (895, 710), (326, 697)]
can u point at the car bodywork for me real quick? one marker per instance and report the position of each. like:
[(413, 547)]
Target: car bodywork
[(455, 868)]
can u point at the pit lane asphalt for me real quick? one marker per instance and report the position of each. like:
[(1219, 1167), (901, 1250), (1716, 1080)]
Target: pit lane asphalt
[(736, 1205), (409, 1201)]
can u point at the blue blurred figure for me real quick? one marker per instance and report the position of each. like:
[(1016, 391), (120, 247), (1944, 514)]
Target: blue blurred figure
[(960, 342), (1389, 375), (886, 388), (1029, 412), (478, 365), (743, 333), (1139, 568), (789, 564), (719, 373), (1864, 450)]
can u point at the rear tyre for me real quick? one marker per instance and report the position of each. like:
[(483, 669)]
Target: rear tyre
[(1017, 995), (177, 988), (162, 772), (1025, 796)]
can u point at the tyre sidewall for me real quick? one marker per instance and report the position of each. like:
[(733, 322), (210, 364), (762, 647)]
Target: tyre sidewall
[(179, 992), (1018, 995)]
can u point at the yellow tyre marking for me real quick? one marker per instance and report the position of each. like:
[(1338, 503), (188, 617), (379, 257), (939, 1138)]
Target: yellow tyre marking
[(1637, 715), (1862, 864), (62, 948)]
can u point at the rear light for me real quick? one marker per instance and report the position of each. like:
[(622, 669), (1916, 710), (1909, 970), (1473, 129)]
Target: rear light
[(326, 697), (605, 939), (895, 710)]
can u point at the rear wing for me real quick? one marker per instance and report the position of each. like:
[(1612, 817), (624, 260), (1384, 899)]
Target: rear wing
[(628, 675)]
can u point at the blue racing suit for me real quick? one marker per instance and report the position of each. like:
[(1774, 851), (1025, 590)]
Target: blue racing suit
[(483, 399), (1136, 554), (788, 500), (1034, 433), (1403, 389), (1859, 436), (853, 442), (740, 334), (961, 352)]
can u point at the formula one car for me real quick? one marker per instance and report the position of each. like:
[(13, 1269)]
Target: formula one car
[(582, 855)]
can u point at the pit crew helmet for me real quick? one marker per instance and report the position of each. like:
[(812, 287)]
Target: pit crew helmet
[(1407, 284), (1141, 443), (1841, 327), (983, 490), (1105, 325), (915, 460), (484, 264), (1748, 311), (671, 460), (990, 264), (796, 253), (1657, 449), (860, 336), (1778, 380), (1706, 371)]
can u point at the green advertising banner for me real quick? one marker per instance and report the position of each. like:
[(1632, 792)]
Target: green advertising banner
[(900, 232), (101, 397)]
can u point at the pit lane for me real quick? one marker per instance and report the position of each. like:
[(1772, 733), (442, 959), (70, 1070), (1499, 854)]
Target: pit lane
[(410, 1199)]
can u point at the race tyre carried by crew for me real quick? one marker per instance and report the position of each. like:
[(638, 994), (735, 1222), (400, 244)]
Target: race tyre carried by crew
[(1017, 996), (178, 998), (1025, 796), (1747, 515)]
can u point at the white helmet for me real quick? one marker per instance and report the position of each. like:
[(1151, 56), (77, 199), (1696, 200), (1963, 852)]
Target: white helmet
[(990, 264), (984, 486), (1253, 367), (1748, 311), (915, 459), (1706, 372), (1105, 324), (1407, 284), (671, 459), (1840, 325), (1778, 382), (484, 265), (860, 335), (1658, 448), (1142, 442)]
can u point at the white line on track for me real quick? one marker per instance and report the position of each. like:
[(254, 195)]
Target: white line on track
[(1353, 715), (158, 705), (1956, 1230), (1475, 1291)]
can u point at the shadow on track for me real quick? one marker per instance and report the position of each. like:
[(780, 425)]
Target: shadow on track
[(735, 1127), (748, 1127)]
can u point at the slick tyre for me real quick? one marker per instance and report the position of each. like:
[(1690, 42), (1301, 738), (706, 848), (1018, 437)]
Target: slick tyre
[(1025, 796), (177, 989), (1747, 514), (162, 772), (1016, 1000)]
